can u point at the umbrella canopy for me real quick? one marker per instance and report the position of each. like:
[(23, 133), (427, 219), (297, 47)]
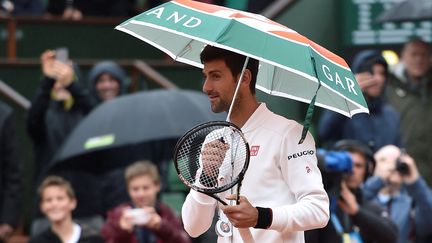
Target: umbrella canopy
[(145, 125), (409, 10), (291, 65)]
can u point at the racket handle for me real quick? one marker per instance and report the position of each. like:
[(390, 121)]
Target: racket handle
[(238, 191), (217, 198)]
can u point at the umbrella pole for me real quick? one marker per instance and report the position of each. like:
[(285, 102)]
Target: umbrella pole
[(245, 234), (237, 87)]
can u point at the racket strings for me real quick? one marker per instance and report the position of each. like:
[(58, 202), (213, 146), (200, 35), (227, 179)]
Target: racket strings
[(212, 158)]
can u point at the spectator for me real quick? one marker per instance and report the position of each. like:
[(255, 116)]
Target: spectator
[(108, 81), (398, 186), (77, 9), (158, 222), (409, 90), (296, 201), (371, 73), (354, 217), (6, 8), (10, 174), (57, 201), (28, 7), (59, 104)]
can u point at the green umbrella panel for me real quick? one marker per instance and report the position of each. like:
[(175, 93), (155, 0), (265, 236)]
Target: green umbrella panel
[(291, 65)]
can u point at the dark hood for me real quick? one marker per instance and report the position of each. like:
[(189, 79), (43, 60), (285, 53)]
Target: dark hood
[(364, 61)]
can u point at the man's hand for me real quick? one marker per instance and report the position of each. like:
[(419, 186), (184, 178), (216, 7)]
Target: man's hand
[(243, 215), (48, 59), (52, 68), (126, 222), (5, 232), (348, 202), (365, 80), (72, 13), (212, 156), (154, 223)]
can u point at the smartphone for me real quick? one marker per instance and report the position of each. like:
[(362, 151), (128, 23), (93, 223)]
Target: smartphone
[(139, 216), (62, 54)]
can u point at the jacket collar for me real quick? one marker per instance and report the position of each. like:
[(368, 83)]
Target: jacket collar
[(256, 119)]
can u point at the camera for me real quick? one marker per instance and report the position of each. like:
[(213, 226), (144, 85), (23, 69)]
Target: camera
[(402, 167), (333, 165)]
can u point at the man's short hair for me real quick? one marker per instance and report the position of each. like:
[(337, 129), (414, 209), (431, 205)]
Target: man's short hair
[(142, 168), (234, 62), (356, 146), (57, 181), (418, 41)]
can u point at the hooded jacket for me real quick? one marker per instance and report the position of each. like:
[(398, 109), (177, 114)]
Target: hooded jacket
[(112, 182), (111, 68), (414, 103), (10, 169), (380, 127), (48, 125)]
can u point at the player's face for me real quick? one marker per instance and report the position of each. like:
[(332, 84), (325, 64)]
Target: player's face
[(56, 204), (219, 85), (143, 191)]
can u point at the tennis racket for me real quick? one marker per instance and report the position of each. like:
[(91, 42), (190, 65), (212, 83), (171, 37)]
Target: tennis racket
[(212, 158)]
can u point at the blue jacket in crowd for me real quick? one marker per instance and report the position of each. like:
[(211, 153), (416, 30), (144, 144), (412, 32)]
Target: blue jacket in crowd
[(410, 210), (379, 128)]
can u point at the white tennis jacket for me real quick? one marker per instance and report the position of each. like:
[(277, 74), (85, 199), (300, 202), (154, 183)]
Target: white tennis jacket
[(282, 175)]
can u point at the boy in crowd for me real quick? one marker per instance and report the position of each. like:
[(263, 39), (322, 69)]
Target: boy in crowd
[(57, 201), (145, 219)]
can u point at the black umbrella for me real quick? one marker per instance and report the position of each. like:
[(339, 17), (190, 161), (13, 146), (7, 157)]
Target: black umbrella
[(144, 125), (409, 10)]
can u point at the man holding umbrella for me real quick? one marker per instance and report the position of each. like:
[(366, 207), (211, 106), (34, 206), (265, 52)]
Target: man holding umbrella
[(283, 190), (282, 179)]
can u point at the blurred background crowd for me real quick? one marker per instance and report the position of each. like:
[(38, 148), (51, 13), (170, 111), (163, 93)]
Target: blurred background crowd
[(77, 9), (67, 78)]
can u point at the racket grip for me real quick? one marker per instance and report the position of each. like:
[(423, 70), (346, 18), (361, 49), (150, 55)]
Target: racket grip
[(238, 191)]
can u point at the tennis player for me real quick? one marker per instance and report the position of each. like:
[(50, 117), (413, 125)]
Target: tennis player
[(282, 193)]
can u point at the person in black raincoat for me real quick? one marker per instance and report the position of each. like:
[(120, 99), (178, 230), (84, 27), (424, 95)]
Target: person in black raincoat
[(107, 81), (57, 107), (10, 174)]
